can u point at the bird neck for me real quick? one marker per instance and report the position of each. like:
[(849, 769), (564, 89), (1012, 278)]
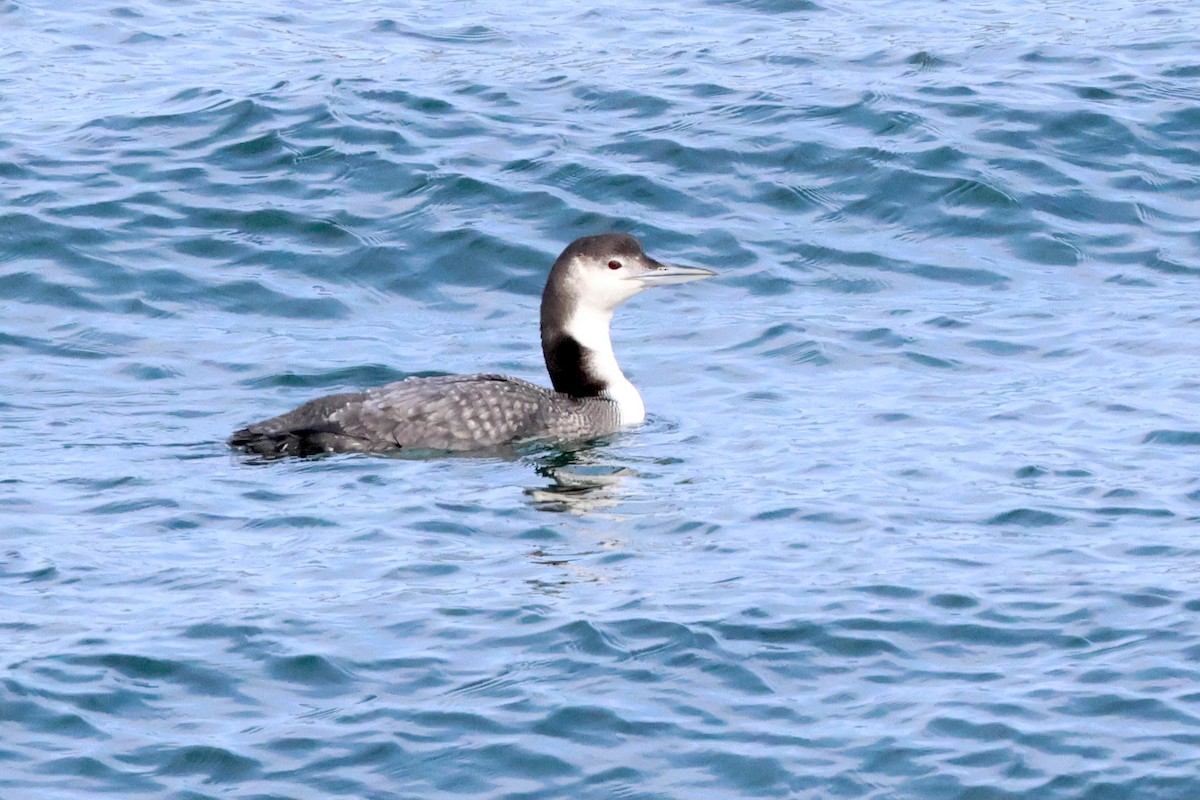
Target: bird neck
[(581, 362)]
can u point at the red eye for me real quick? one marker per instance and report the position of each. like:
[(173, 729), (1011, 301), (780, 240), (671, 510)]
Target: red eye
[(614, 265)]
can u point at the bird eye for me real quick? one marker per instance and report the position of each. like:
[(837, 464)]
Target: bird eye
[(614, 265)]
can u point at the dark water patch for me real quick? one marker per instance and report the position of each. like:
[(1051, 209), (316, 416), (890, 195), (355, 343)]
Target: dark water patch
[(1173, 437), (948, 323), (16, 627), (117, 701), (1144, 709), (27, 287), (131, 506), (1001, 348), (213, 765), (196, 679), (497, 98), (252, 297), (621, 102), (447, 527), (143, 38), (302, 233), (1159, 551), (294, 747), (883, 337), (1131, 511), (758, 109), (927, 61), (221, 116), (957, 109), (964, 276), (934, 362), (191, 522), (264, 152), (975, 193), (465, 258), (776, 514), (218, 630), (1064, 353), (1048, 250), (35, 575), (782, 7), (953, 602), (290, 521), (1147, 599), (38, 720), (45, 347), (645, 191), (593, 726), (574, 637), (451, 724), (419, 571), (1159, 262), (98, 775), (888, 591), (1028, 518), (1182, 71), (797, 633), (1100, 676), (314, 671), (687, 157), (887, 758), (771, 334), (799, 353), (1175, 125), (1092, 133), (512, 759), (1078, 206), (150, 372), (738, 772), (973, 634), (465, 34), (844, 285), (766, 284)]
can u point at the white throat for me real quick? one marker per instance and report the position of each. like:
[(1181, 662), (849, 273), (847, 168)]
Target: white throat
[(590, 327)]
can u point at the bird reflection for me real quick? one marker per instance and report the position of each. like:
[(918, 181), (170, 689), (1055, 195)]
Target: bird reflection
[(580, 480)]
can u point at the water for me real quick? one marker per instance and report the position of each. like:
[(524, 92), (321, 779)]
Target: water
[(914, 515)]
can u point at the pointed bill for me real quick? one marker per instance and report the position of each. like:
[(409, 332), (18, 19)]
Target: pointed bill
[(666, 274)]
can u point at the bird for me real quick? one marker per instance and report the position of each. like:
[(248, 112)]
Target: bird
[(591, 397)]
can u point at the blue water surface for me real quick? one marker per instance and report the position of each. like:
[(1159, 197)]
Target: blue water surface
[(916, 513)]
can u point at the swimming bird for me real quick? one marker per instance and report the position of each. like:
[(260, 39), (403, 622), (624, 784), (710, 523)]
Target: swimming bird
[(458, 413)]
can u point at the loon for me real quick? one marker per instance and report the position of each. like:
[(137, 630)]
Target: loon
[(462, 413)]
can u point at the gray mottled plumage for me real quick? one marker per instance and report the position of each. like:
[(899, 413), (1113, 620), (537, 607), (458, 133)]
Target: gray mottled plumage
[(461, 413), (453, 413)]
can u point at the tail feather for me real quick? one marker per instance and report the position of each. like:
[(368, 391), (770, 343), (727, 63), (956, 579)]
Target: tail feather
[(267, 445), (298, 442)]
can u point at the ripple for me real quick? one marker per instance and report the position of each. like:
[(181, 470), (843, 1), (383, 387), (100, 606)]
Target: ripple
[(1028, 518), (1173, 437), (213, 764)]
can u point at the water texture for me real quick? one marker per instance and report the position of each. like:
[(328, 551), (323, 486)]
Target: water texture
[(915, 514)]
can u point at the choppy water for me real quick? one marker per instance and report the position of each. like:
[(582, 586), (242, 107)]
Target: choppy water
[(915, 514)]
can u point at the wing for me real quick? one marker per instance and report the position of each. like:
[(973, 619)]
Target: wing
[(312, 428), (454, 412)]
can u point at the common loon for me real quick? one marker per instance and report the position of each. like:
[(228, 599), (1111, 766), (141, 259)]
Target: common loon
[(591, 396)]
